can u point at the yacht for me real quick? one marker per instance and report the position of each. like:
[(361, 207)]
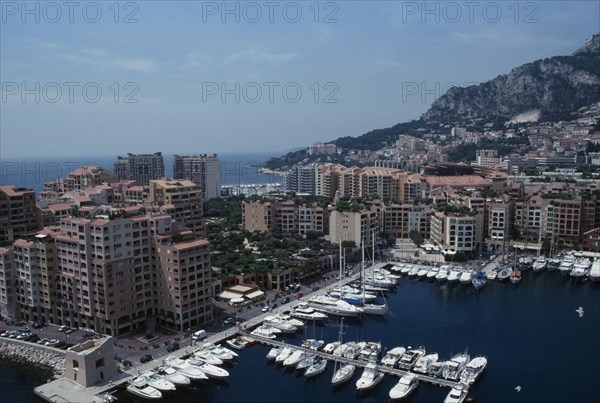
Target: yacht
[(316, 368), (331, 347), (432, 273), (237, 343), (553, 264), (334, 306), (208, 356), (174, 376), (406, 269), (211, 371), (390, 359), (455, 366), (423, 272), (370, 352), (424, 362), (312, 344), (281, 324), (594, 273), (479, 280), (457, 394), (436, 368), (266, 331), (540, 263), (472, 370), (140, 388), (504, 273), (492, 275), (414, 271), (442, 274), (454, 275), (153, 379), (223, 353), (515, 276), (410, 357), (567, 264), (354, 349), (306, 361), (404, 387), (466, 277), (285, 353), (343, 374), (369, 378), (185, 368), (293, 359), (580, 268), (274, 352), (374, 309), (304, 311)]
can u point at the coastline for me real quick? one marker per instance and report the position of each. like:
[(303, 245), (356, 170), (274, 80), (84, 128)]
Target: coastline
[(30, 355)]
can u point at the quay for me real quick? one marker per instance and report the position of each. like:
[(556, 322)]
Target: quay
[(358, 363)]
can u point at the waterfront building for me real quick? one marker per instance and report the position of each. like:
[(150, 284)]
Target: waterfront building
[(204, 170), (17, 213), (401, 219), (91, 361), (354, 226), (8, 300), (453, 232), (141, 168)]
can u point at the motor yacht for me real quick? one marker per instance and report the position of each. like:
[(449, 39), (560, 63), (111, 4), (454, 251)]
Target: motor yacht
[(454, 275), (432, 273), (580, 268), (473, 369), (424, 362), (212, 371), (594, 273), (442, 274), (404, 387), (185, 368), (370, 352), (369, 378), (410, 357), (334, 306), (304, 311), (479, 280), (390, 359), (457, 394), (174, 376), (293, 359), (153, 379), (274, 352), (455, 366), (285, 353), (567, 264), (540, 263), (492, 275), (139, 387), (466, 277), (208, 356), (504, 273)]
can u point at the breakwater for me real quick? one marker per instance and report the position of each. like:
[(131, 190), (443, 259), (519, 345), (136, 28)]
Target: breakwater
[(22, 353)]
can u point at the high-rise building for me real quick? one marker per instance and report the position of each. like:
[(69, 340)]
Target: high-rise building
[(17, 213), (141, 168), (204, 170), (8, 300), (454, 233)]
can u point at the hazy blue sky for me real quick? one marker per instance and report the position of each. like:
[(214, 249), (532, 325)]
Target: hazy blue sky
[(382, 61)]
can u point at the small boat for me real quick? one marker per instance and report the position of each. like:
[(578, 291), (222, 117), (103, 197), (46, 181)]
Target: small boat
[(466, 277), (515, 276), (153, 379), (410, 357), (293, 359), (455, 366), (285, 353), (174, 376), (404, 387), (473, 369), (442, 274), (316, 368), (369, 378), (457, 394), (479, 280), (436, 368), (274, 352), (594, 273), (504, 273), (432, 273), (454, 275), (492, 275), (330, 347), (140, 388), (424, 362), (370, 352), (390, 359), (540, 263), (343, 374), (237, 343)]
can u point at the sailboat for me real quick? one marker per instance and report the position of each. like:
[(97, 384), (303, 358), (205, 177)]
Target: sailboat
[(346, 371), (369, 308)]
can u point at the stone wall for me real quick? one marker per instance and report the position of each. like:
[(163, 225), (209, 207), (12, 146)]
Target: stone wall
[(33, 355)]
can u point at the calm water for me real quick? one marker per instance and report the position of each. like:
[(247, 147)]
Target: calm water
[(236, 168), (530, 333)]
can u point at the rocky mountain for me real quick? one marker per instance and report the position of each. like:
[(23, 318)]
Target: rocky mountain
[(548, 89)]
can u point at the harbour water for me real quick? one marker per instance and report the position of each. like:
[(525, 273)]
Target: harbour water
[(530, 333)]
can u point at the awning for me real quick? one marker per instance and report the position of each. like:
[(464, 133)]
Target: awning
[(255, 294), (229, 295), (237, 300)]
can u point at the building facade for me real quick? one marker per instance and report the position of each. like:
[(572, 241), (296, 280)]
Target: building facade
[(204, 170), (18, 214), (141, 168)]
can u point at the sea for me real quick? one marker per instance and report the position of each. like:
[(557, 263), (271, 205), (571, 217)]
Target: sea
[(530, 333)]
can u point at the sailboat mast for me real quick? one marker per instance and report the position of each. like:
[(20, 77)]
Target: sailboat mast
[(373, 252)]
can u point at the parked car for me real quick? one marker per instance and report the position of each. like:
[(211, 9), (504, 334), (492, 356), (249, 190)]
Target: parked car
[(37, 325), (199, 335), (265, 308), (63, 328), (60, 344), (32, 338), (43, 341), (146, 358), (173, 347), (23, 335)]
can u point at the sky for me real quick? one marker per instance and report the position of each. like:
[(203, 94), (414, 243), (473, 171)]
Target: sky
[(106, 77)]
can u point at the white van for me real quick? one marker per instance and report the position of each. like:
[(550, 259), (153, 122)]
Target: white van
[(199, 335)]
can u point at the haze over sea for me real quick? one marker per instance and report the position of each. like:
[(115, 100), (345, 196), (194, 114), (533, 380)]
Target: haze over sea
[(236, 168), (530, 333)]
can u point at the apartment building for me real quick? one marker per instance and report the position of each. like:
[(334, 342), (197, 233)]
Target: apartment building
[(284, 216), (8, 302), (401, 219), (312, 218), (182, 199), (454, 233), (563, 221), (141, 168), (498, 217), (18, 214), (354, 226), (257, 215), (79, 179), (204, 170), (302, 179)]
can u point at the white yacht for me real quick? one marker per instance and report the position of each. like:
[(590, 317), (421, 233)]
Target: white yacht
[(208, 356), (406, 269), (466, 277), (331, 347), (281, 324), (594, 273), (285, 353), (473, 369), (442, 274), (156, 381), (410, 357), (390, 359), (293, 359), (580, 268), (212, 371), (223, 353), (540, 263), (174, 376), (436, 368), (404, 387), (266, 331), (316, 368), (306, 361), (140, 388), (432, 273), (492, 275), (354, 349), (455, 366), (185, 368), (370, 352), (414, 271), (457, 394), (304, 311), (369, 378), (274, 352), (423, 272), (424, 362), (334, 306), (343, 374), (454, 275), (567, 264)]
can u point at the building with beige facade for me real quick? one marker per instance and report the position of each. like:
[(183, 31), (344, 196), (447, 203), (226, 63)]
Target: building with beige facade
[(91, 361), (401, 219), (257, 215), (453, 232), (17, 213), (204, 170), (354, 226), (8, 300)]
